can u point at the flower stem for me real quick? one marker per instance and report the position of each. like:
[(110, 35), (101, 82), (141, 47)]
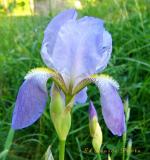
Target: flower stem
[(124, 144), (98, 156), (61, 149)]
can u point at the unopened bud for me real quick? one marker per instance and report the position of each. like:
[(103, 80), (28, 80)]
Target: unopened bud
[(109, 157), (127, 109), (95, 129), (129, 149), (126, 104), (60, 116)]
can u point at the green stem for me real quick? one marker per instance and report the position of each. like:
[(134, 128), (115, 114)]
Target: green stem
[(61, 149), (124, 144), (98, 156)]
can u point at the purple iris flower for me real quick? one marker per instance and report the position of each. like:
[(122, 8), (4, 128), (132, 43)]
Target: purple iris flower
[(74, 50)]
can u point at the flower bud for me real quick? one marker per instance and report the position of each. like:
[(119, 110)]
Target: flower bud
[(95, 129), (60, 116), (127, 109), (129, 149), (109, 157)]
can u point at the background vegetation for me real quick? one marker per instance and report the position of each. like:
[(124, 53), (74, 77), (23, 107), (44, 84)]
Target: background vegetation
[(20, 43)]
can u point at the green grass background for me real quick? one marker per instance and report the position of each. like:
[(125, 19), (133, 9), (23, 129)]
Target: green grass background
[(20, 42)]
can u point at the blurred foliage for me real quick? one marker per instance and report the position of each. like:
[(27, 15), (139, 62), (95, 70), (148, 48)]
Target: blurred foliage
[(21, 38), (15, 7)]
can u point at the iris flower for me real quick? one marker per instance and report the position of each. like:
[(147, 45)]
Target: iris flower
[(74, 51)]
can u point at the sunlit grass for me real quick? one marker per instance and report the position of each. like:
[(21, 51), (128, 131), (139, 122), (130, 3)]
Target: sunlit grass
[(16, 8)]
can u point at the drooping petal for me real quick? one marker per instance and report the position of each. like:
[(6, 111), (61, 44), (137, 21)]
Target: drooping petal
[(112, 106), (31, 99), (81, 97), (77, 45), (51, 32), (112, 109)]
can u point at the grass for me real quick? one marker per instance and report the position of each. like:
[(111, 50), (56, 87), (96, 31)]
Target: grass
[(21, 38)]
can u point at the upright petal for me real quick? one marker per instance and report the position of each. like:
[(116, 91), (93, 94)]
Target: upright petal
[(81, 97), (51, 32), (105, 51), (31, 99), (112, 106), (78, 44)]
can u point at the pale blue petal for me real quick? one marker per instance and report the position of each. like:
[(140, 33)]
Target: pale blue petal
[(105, 51), (112, 106), (113, 110), (76, 50), (51, 32), (31, 100), (81, 97)]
